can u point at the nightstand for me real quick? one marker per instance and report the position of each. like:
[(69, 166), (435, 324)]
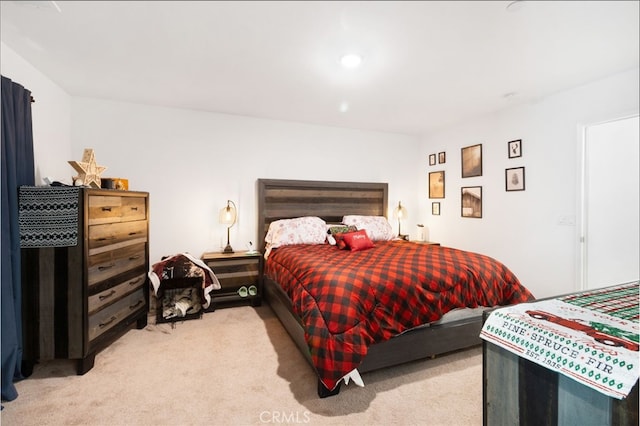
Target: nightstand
[(240, 276), (429, 243)]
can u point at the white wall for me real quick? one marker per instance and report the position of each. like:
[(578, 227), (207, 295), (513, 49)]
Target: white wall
[(525, 229), (51, 116), (191, 162)]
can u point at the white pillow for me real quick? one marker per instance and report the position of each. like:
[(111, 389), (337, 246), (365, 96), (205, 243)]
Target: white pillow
[(301, 230), (378, 228)]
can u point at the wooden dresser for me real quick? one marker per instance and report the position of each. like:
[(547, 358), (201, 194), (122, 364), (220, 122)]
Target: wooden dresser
[(79, 299)]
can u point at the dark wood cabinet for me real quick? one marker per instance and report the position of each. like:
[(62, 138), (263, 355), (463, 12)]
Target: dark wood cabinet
[(79, 299), (517, 391)]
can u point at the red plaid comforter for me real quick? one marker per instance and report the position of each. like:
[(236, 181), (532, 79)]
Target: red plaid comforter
[(350, 300)]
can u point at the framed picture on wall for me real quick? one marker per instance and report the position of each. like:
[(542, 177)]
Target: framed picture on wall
[(442, 157), (435, 208), (432, 160), (472, 161), (436, 184), (471, 201), (514, 179), (515, 148)]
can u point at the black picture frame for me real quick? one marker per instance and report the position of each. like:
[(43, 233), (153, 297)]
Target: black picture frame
[(514, 179), (435, 208), (442, 157), (471, 201), (436, 184), (514, 148), (472, 161), (432, 159)]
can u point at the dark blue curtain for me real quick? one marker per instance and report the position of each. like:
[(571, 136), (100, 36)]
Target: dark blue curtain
[(17, 169)]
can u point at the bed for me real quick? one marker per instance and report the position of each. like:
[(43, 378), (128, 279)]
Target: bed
[(387, 345)]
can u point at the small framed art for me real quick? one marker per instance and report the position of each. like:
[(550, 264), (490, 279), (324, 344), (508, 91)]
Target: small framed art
[(432, 160), (435, 208), (436, 184), (514, 179), (515, 148), (471, 201), (472, 161), (442, 157)]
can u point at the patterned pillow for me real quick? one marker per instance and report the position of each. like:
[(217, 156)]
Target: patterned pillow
[(333, 230), (378, 227), (301, 230)]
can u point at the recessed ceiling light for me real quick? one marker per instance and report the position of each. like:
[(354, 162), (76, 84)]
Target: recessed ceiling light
[(351, 60), (344, 106)]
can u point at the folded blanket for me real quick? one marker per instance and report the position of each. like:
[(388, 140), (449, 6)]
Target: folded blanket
[(48, 216), (591, 337), (181, 266)]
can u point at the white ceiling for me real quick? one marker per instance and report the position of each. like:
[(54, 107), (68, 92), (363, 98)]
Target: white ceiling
[(426, 64)]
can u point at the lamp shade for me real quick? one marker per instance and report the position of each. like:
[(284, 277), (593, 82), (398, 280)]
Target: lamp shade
[(228, 214), (400, 212)]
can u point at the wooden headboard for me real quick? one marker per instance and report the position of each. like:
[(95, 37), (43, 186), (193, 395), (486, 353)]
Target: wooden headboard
[(286, 199)]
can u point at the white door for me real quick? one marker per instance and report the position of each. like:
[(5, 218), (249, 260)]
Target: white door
[(611, 220)]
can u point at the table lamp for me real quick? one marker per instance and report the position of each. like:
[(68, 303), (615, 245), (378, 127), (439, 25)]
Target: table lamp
[(228, 216), (400, 213)]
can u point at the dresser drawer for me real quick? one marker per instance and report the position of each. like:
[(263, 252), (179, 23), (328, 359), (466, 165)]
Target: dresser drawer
[(113, 208), (249, 266), (109, 317), (110, 236), (111, 263), (108, 296)]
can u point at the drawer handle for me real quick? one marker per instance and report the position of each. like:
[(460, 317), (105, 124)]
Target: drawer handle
[(134, 282), (104, 324), (107, 238), (135, 209), (132, 307), (106, 209), (133, 233), (102, 268), (134, 257), (106, 296)]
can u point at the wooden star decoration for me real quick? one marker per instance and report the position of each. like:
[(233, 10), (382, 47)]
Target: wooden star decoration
[(88, 171)]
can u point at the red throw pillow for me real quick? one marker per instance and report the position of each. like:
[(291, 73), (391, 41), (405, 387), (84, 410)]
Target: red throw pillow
[(340, 242), (357, 240)]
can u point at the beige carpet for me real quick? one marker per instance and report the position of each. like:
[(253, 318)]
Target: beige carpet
[(239, 366)]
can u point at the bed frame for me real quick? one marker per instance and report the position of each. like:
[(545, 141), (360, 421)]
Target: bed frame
[(285, 199)]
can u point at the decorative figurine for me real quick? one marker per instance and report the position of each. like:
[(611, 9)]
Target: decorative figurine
[(88, 171)]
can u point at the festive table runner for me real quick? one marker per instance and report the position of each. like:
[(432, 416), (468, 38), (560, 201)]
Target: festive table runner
[(48, 216), (592, 337)]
